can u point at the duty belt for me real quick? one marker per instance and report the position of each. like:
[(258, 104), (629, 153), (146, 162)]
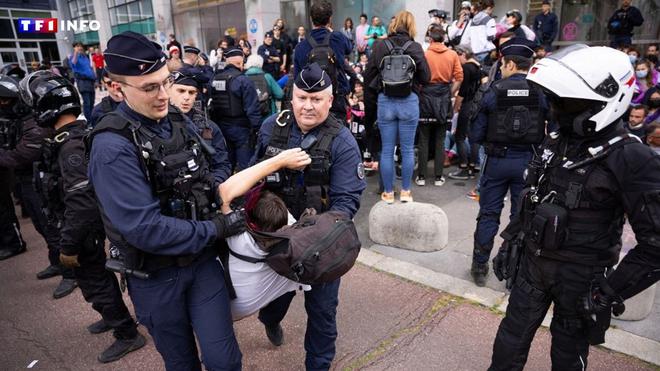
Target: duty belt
[(153, 263)]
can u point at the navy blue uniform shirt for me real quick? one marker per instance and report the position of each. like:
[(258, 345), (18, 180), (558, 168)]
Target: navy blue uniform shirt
[(98, 111), (489, 104), (546, 27), (242, 87), (346, 175), (338, 43), (266, 51), (126, 198)]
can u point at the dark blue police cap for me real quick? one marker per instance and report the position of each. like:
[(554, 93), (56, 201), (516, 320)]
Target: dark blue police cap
[(132, 54), (519, 46), (191, 49), (313, 79), (233, 51), (269, 34), (191, 76)]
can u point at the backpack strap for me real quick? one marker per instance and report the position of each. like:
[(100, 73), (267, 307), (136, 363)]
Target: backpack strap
[(246, 258), (406, 46), (279, 139), (312, 42), (389, 46)]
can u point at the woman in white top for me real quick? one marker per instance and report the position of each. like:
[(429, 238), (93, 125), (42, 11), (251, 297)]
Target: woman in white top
[(256, 284)]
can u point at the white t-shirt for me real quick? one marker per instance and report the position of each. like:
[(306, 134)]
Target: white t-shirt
[(256, 284)]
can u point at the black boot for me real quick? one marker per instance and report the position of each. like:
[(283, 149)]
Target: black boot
[(50, 271), (66, 286), (275, 334), (98, 327), (6, 254), (479, 271), (122, 347)]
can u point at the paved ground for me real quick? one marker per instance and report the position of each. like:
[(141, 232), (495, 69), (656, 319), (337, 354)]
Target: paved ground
[(385, 323), (455, 259)]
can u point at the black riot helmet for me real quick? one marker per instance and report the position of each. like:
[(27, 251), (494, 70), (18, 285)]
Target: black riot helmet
[(50, 96), (13, 70), (8, 87)]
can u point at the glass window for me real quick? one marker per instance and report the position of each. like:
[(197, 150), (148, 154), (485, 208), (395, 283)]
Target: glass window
[(30, 14), (7, 44), (134, 11), (49, 51), (8, 57), (6, 30), (122, 14), (28, 45), (4, 13), (73, 9), (146, 8), (113, 16)]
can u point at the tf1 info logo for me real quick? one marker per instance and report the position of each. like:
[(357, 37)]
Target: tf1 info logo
[(52, 25)]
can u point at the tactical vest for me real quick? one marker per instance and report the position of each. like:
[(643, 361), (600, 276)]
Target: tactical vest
[(11, 131), (225, 104), (199, 117), (569, 211), (309, 188), (48, 181), (517, 119), (177, 170), (106, 105)]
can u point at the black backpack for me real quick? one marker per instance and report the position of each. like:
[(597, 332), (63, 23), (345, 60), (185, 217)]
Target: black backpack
[(263, 95), (397, 70), (323, 54), (318, 248)]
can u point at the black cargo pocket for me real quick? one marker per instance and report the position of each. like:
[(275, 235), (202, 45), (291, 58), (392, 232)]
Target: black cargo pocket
[(651, 207), (554, 231)]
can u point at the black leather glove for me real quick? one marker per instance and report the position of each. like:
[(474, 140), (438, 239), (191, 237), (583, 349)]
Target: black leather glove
[(501, 262), (600, 299), (230, 224)]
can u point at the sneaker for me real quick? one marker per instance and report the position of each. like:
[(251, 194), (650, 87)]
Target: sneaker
[(420, 181), (460, 174), (66, 286), (471, 173), (405, 196), (275, 334), (479, 272), (50, 271), (98, 327), (439, 181), (122, 347), (388, 197), (473, 194)]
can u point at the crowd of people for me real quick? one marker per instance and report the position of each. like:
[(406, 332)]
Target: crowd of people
[(160, 165)]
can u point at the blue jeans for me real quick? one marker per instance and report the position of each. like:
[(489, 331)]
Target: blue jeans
[(397, 116), (499, 175), (621, 40), (177, 303), (88, 103)]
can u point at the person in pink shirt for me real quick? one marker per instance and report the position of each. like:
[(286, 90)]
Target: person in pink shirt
[(360, 32)]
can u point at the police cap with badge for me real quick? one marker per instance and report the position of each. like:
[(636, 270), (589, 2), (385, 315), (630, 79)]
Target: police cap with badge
[(518, 46), (518, 118), (233, 51), (313, 79), (190, 76), (132, 54)]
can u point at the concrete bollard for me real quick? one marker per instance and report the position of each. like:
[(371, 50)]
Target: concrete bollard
[(412, 226), (639, 306)]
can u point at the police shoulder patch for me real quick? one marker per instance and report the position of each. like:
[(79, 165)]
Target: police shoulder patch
[(360, 170)]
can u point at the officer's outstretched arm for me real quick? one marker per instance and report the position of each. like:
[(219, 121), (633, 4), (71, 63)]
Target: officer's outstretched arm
[(241, 182), (638, 172)]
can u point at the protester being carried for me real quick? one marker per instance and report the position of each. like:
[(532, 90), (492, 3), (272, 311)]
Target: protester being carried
[(256, 284)]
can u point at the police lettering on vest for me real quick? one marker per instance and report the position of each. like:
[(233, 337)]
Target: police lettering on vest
[(517, 119)]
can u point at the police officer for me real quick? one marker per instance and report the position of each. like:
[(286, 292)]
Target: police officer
[(107, 103), (510, 124), (159, 203), (11, 240), (25, 146), (587, 177), (71, 203), (270, 54), (235, 107), (184, 94), (333, 181)]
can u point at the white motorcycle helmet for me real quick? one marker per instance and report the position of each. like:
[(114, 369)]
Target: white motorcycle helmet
[(595, 83)]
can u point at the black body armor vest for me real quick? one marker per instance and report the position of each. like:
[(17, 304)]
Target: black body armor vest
[(518, 118), (309, 188), (571, 210), (11, 130), (178, 171), (226, 106), (48, 181)]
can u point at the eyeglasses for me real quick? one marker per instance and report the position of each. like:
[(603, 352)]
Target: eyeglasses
[(152, 89)]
